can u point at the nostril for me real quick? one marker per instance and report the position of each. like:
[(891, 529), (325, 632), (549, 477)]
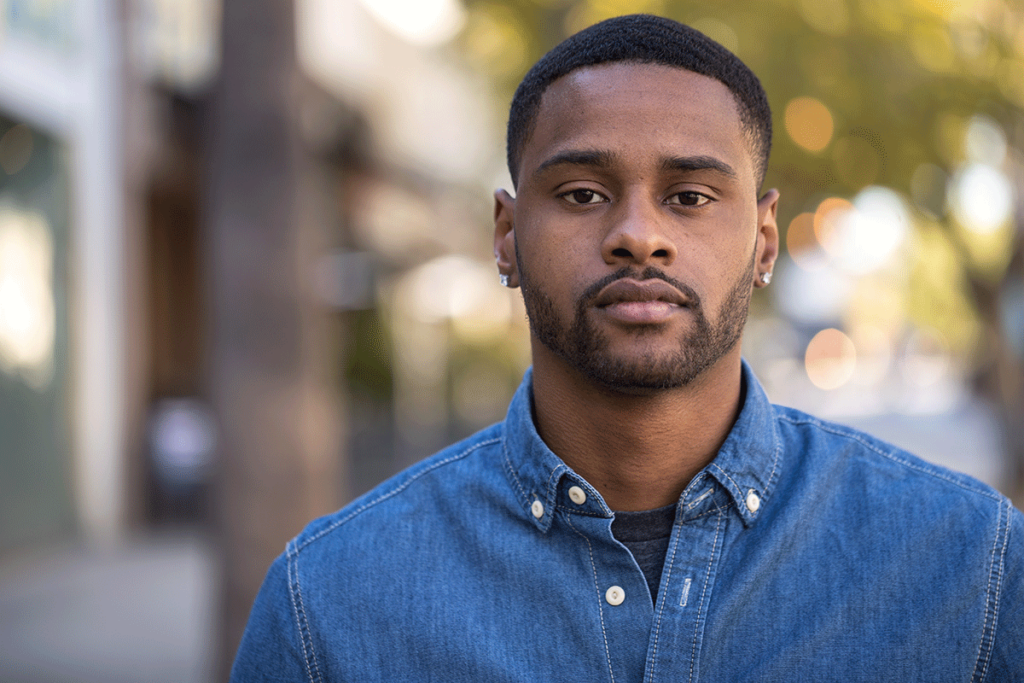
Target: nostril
[(662, 253), (622, 253)]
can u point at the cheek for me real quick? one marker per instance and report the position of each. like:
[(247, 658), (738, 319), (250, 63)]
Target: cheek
[(553, 257)]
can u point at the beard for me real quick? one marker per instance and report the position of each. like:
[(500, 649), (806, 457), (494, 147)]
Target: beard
[(586, 348)]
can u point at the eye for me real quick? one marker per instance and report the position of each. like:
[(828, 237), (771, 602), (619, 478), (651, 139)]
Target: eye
[(582, 197), (689, 198)]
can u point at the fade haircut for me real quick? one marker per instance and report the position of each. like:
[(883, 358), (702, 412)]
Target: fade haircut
[(643, 39)]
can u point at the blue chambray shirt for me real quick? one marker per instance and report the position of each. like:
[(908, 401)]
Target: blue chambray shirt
[(806, 551)]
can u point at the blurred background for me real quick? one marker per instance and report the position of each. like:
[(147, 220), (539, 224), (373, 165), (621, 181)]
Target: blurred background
[(246, 273)]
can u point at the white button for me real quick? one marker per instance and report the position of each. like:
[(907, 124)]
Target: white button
[(537, 509), (753, 501), (577, 495), (615, 595)]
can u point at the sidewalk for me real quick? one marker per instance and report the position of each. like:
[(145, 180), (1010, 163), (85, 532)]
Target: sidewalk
[(139, 613)]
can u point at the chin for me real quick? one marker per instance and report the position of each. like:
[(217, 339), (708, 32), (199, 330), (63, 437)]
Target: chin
[(642, 376)]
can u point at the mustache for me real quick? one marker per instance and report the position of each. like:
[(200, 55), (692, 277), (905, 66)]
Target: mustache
[(648, 273)]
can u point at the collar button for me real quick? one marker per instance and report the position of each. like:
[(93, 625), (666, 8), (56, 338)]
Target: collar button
[(753, 501), (577, 495)]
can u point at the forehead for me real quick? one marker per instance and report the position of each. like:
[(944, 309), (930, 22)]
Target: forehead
[(639, 108)]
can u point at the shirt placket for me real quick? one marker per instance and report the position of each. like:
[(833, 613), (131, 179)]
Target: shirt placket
[(620, 596), (687, 584)]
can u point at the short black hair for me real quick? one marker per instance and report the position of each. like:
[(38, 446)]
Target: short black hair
[(642, 39)]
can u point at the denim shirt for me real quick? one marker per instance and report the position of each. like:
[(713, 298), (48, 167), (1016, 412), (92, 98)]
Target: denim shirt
[(806, 551)]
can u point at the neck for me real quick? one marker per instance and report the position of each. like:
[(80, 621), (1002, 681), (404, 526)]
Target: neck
[(639, 450)]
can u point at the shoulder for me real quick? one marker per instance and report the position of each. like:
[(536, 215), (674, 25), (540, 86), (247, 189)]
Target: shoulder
[(822, 446), (462, 466)]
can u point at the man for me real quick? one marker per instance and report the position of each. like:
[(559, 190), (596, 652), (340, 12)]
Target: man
[(644, 513)]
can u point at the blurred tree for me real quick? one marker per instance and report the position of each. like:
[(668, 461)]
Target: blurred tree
[(866, 92), (280, 462)]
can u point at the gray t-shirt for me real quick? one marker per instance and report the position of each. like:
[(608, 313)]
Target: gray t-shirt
[(646, 534)]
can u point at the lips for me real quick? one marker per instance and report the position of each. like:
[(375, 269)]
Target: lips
[(640, 302), (628, 291)]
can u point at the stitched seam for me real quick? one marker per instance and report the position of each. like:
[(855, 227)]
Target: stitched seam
[(890, 456), (576, 511), (301, 622), (738, 492), (660, 609), (703, 592), (714, 510), (725, 474), (775, 465), (992, 606), (512, 472), (395, 491), (552, 476), (600, 607)]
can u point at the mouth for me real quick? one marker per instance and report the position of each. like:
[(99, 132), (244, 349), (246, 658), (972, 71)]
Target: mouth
[(644, 302), (633, 291)]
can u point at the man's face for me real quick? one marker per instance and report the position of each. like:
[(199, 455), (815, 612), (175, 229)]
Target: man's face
[(636, 234)]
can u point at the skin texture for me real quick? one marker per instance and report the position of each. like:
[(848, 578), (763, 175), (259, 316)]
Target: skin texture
[(637, 237)]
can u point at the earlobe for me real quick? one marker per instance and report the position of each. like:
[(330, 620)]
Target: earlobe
[(505, 238), (767, 238)]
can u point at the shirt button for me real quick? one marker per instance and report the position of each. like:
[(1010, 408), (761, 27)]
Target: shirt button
[(615, 595), (753, 501), (537, 509), (577, 495)]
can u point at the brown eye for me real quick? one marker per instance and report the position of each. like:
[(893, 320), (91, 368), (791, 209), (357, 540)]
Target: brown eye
[(582, 197), (689, 199)]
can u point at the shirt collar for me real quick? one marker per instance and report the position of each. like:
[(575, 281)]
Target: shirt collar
[(746, 466)]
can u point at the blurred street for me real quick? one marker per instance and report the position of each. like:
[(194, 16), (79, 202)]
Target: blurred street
[(141, 611)]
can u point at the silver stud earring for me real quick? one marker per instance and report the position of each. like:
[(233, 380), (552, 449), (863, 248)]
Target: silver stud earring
[(503, 279), (766, 278)]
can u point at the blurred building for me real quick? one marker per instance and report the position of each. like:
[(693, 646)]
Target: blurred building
[(105, 131), (63, 326), (150, 347)]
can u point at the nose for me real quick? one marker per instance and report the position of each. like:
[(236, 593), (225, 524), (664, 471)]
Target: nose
[(638, 235)]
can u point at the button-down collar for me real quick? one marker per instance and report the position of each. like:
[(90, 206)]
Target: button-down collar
[(746, 465)]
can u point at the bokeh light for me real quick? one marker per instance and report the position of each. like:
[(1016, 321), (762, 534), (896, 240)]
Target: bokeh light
[(27, 315), (985, 141), (802, 244), (422, 22), (827, 217), (811, 296), (870, 234), (981, 198), (809, 123), (830, 359)]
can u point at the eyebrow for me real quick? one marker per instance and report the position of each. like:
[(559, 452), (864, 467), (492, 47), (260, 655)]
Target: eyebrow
[(604, 159), (575, 157), (698, 163)]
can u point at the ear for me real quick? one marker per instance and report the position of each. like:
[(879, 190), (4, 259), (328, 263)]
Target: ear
[(505, 236), (767, 236)]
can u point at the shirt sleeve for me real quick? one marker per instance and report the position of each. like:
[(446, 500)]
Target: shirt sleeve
[(272, 648), (1008, 646)]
